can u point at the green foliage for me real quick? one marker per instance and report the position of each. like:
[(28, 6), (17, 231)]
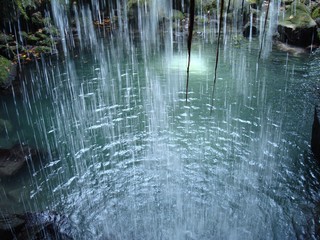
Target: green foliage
[(315, 13), (5, 38), (42, 49), (177, 15), (5, 67), (257, 2), (22, 9), (207, 5), (13, 9), (135, 3)]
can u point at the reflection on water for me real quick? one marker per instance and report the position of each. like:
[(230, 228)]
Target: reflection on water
[(131, 160)]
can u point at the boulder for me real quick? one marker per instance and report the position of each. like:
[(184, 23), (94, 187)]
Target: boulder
[(14, 159), (292, 50), (253, 28), (298, 28), (38, 226)]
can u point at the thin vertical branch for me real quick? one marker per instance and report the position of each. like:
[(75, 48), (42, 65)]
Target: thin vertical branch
[(190, 30), (228, 8), (264, 29), (242, 4), (217, 52)]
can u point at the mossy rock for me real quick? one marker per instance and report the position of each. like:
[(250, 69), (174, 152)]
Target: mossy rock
[(207, 6), (23, 34), (32, 39), (5, 38), (297, 16), (47, 42), (41, 35), (135, 3), (255, 2), (287, 2), (5, 72), (37, 19), (42, 49), (177, 15), (51, 30)]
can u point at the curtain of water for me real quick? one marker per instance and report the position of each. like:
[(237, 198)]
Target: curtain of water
[(131, 161)]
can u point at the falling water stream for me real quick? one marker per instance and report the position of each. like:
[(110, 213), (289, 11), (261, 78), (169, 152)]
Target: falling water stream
[(129, 159)]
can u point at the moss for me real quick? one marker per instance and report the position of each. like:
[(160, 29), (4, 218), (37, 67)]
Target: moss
[(134, 3), (287, 2), (37, 19), (23, 34), (5, 68), (207, 6), (177, 15), (4, 38), (51, 30), (297, 16), (42, 49), (41, 35), (33, 38), (315, 13), (257, 2)]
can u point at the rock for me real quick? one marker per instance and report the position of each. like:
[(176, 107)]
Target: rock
[(36, 226), (298, 28), (5, 38), (8, 224), (177, 15), (37, 19), (5, 126), (315, 138), (293, 50), (14, 159), (255, 3), (246, 30), (317, 20), (8, 72)]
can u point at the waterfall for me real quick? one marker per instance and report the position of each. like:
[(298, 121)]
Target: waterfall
[(129, 159)]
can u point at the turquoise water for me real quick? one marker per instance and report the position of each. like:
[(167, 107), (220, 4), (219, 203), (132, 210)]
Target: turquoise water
[(129, 159)]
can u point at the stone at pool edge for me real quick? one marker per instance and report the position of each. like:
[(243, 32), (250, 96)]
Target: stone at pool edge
[(14, 159), (41, 226), (298, 28)]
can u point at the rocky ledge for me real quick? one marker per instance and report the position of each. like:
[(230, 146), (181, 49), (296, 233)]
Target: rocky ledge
[(37, 226), (14, 159)]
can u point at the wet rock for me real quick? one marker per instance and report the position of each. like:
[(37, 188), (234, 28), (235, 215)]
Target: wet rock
[(5, 127), (292, 50), (315, 138), (246, 30), (5, 38), (298, 28), (8, 72), (14, 159), (36, 226)]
